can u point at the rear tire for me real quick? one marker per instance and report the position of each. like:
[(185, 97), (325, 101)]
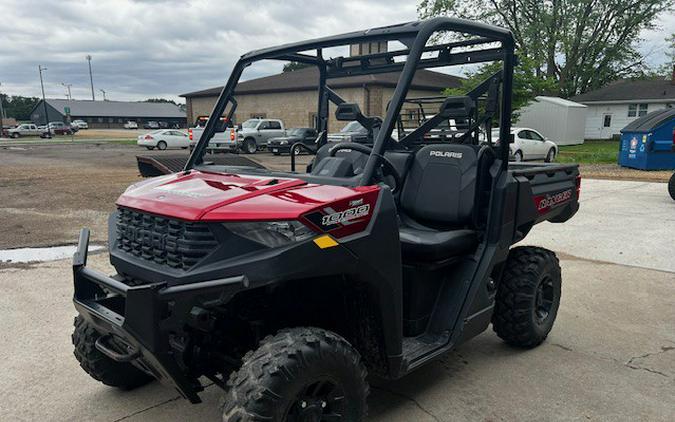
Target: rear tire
[(15, 135), (150, 148), (671, 186), (298, 374), (528, 297), (250, 146), (161, 145), (518, 156), (100, 367)]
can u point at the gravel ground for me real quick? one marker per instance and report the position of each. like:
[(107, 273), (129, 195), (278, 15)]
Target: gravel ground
[(614, 172)]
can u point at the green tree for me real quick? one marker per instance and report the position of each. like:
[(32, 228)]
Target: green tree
[(293, 66), (160, 100), (526, 85), (17, 106), (578, 45)]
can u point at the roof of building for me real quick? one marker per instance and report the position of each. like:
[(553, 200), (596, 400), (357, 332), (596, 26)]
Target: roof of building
[(307, 79), (651, 121), (117, 108), (630, 90), (559, 101)]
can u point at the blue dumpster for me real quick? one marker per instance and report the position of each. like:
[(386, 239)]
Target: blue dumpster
[(648, 143)]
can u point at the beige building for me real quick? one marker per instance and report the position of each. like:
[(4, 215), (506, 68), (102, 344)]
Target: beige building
[(293, 96)]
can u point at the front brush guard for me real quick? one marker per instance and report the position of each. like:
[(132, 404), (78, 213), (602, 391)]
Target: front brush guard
[(145, 318)]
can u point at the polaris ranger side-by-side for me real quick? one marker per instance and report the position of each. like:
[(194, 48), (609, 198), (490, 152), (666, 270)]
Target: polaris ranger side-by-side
[(287, 288)]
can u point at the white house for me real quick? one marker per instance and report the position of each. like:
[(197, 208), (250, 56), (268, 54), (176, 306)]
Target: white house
[(614, 106), (562, 121)]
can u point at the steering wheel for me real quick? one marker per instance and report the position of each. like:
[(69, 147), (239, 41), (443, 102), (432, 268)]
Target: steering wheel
[(388, 167)]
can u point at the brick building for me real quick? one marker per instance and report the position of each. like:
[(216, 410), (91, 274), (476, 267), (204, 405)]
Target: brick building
[(292, 96)]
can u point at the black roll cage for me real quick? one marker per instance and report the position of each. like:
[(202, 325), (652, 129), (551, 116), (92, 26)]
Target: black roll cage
[(414, 35)]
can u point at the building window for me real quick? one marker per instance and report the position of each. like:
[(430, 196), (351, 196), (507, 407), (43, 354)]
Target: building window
[(638, 110), (258, 115), (100, 119), (607, 120)]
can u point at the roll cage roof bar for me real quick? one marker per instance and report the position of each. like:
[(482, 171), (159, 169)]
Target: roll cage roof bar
[(414, 35)]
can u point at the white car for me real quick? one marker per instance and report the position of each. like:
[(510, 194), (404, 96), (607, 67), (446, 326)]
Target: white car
[(131, 125), (529, 144), (163, 139), (80, 124)]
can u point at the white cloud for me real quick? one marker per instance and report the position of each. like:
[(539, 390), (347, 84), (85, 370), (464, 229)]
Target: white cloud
[(161, 48)]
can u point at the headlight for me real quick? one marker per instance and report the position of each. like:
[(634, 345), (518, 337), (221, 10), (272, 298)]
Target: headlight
[(272, 233), (283, 142)]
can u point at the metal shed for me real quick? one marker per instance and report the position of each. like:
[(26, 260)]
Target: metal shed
[(648, 143), (562, 121)]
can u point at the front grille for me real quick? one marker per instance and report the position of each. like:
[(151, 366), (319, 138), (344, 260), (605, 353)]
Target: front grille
[(162, 240)]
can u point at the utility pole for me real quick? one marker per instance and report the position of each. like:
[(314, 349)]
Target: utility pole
[(103, 91), (2, 112), (44, 101), (91, 78), (70, 97)]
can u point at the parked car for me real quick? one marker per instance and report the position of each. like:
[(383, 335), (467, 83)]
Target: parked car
[(131, 125), (163, 139), (352, 132), (74, 128), (80, 124), (299, 134), (528, 144), (255, 133), (151, 125), (163, 124), (24, 129), (56, 128)]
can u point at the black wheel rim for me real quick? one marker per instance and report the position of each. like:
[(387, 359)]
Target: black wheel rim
[(320, 401), (543, 301), (296, 151), (251, 147)]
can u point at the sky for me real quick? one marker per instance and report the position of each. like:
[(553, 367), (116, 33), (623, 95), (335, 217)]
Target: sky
[(163, 48)]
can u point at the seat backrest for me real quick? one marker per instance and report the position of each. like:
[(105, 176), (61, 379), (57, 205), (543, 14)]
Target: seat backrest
[(440, 186)]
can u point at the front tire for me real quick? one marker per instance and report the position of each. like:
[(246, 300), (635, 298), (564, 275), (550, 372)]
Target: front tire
[(550, 156), (296, 150), (300, 374), (124, 376), (671, 186), (528, 297)]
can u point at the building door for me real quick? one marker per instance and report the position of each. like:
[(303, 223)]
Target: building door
[(606, 126)]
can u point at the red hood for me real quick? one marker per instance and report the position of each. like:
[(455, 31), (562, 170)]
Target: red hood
[(227, 197)]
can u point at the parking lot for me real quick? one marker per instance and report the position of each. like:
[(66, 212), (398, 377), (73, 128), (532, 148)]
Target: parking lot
[(611, 355)]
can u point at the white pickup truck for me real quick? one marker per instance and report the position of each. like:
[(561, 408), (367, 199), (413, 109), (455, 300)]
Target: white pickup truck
[(250, 137), (24, 129)]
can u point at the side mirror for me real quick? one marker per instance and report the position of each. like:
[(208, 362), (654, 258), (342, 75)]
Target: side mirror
[(348, 112)]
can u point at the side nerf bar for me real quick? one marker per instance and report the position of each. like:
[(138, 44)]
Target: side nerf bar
[(137, 317)]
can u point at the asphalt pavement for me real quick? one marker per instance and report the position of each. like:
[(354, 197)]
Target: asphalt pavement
[(610, 356)]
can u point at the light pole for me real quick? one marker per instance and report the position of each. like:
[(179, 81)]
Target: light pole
[(70, 97), (2, 112), (91, 78), (103, 91), (44, 101)]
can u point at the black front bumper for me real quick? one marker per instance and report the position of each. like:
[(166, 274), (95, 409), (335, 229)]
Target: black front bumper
[(149, 319)]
